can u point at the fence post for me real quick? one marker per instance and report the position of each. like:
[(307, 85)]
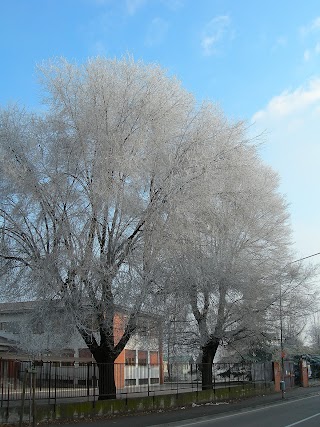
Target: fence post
[(148, 379)]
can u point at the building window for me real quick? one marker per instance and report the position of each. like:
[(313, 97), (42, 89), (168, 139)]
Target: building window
[(37, 327), (154, 358), (142, 358), (130, 357), (65, 363), (85, 353), (130, 381)]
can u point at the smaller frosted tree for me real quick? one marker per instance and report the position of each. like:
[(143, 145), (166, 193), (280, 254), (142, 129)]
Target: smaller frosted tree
[(234, 242)]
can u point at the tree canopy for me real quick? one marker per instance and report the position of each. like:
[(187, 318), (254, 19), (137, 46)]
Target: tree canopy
[(126, 191)]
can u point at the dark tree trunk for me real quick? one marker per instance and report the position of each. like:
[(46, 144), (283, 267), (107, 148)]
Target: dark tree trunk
[(105, 361), (107, 386), (208, 352)]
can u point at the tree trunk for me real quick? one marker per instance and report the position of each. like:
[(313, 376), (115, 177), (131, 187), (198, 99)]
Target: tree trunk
[(208, 352), (107, 386)]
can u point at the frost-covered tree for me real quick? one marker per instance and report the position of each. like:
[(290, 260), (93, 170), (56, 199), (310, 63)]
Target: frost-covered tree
[(88, 188), (314, 333), (233, 246)]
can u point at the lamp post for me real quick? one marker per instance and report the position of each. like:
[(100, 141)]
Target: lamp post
[(281, 325)]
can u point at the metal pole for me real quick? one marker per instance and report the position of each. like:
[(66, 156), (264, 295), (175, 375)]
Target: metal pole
[(281, 347)]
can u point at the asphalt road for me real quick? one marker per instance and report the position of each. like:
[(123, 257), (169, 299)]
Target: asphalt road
[(301, 408), (304, 412)]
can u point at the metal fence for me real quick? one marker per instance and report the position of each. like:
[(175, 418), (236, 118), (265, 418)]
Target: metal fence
[(53, 382)]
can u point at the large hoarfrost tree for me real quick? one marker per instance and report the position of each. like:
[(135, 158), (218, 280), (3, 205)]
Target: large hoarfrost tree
[(233, 246), (88, 187)]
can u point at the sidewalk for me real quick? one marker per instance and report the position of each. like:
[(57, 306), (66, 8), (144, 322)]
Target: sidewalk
[(196, 411)]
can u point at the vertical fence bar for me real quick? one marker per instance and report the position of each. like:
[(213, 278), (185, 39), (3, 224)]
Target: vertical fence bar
[(177, 373), (88, 379), (197, 370), (2, 390), (94, 383), (8, 404), (55, 385), (40, 379), (49, 382), (33, 381), (191, 376)]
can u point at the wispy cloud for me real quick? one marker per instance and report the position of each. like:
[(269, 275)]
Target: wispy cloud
[(133, 5), (213, 34), (312, 27), (307, 55), (311, 53), (156, 32), (99, 48), (173, 4), (291, 120), (288, 103), (280, 43), (309, 35)]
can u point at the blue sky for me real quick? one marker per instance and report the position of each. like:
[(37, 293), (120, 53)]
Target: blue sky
[(258, 59)]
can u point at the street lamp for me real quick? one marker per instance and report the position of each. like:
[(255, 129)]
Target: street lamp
[(281, 324)]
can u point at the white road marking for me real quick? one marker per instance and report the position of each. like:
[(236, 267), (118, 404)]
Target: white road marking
[(302, 421)]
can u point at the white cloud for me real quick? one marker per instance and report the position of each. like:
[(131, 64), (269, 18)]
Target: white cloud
[(310, 35), (311, 53), (157, 31), (281, 42), (306, 55), (292, 124), (288, 103), (312, 27), (213, 34), (133, 5), (173, 4), (99, 48)]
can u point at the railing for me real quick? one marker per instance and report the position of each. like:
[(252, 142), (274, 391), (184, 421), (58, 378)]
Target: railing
[(54, 382)]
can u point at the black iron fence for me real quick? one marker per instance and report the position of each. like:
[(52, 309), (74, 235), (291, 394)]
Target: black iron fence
[(57, 381)]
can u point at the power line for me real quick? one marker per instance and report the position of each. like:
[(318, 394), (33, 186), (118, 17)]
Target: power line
[(306, 257)]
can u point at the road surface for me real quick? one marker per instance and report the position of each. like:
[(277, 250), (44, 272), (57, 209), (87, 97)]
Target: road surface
[(302, 412), (301, 408)]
